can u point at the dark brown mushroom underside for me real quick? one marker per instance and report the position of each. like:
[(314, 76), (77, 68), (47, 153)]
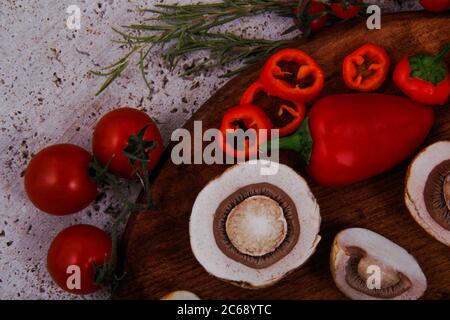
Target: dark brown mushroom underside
[(434, 197), (354, 280)]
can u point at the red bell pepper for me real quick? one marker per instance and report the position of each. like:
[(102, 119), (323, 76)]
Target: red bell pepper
[(285, 115), (351, 137), (366, 68), (245, 116), (293, 75), (424, 78)]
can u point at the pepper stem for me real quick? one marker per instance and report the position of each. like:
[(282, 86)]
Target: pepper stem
[(291, 142), (300, 142)]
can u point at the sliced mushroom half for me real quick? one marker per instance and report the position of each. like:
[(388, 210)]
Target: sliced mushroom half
[(180, 295), (427, 192), (252, 229), (367, 266)]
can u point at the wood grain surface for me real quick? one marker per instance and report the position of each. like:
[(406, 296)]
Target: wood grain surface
[(157, 247)]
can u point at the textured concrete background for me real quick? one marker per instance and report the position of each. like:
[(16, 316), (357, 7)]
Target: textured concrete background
[(47, 96)]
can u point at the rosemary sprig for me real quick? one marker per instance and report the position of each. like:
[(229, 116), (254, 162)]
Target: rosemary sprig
[(184, 29), (196, 18), (223, 49)]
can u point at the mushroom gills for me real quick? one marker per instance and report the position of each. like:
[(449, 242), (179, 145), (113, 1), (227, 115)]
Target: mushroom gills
[(427, 190), (437, 194), (257, 225), (368, 266), (393, 283), (245, 225)]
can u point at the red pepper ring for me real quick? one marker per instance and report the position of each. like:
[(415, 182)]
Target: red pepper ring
[(307, 78), (366, 68), (275, 108), (244, 116)]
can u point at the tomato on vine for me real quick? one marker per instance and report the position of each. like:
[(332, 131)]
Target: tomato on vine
[(77, 256), (116, 142), (435, 5), (346, 9), (57, 179), (311, 16)]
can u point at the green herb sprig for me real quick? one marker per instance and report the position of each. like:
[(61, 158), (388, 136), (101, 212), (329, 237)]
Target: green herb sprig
[(184, 29)]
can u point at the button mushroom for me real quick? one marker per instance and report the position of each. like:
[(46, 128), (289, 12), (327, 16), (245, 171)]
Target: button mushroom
[(367, 266), (252, 229), (427, 192)]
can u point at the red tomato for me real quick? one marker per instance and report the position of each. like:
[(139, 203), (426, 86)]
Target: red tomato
[(111, 138), (435, 5), (82, 246), (315, 8), (345, 13), (57, 179)]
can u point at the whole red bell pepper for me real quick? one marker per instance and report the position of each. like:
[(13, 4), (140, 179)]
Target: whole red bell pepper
[(424, 77), (351, 137)]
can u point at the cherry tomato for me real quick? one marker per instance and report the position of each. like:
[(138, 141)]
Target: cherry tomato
[(343, 12), (73, 255), (315, 8), (57, 179), (111, 137), (435, 5)]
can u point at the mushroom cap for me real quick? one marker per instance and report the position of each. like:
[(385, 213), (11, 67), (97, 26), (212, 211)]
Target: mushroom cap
[(205, 248), (380, 249), (416, 178), (180, 295)]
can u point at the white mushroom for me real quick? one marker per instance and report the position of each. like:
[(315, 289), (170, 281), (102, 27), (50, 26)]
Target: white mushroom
[(427, 191), (180, 295), (252, 229), (367, 266)]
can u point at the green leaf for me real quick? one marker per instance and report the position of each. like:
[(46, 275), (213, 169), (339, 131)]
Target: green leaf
[(428, 67), (113, 75), (138, 148)]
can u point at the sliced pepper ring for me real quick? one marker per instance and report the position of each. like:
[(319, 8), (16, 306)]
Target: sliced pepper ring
[(284, 114), (293, 75), (366, 68), (244, 116)]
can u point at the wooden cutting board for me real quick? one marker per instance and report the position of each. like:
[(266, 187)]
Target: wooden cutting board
[(157, 247)]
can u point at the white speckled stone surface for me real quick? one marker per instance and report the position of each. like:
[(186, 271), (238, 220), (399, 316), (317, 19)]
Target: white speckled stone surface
[(47, 96)]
